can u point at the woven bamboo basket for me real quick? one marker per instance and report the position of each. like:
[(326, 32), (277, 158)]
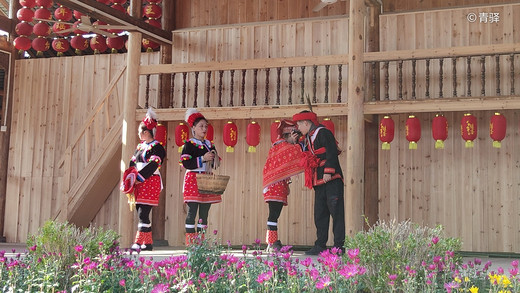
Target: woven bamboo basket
[(212, 183)]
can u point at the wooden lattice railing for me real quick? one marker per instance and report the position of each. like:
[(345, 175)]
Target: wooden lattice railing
[(391, 77)]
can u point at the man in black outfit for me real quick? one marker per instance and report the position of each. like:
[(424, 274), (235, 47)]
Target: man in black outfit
[(323, 173)]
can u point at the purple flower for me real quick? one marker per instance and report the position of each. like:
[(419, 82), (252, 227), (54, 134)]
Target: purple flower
[(478, 261), (122, 282), (257, 241), (392, 277), (435, 240), (79, 248), (307, 262), (264, 277), (513, 272), (160, 288), (514, 263), (215, 232), (450, 286), (32, 248), (202, 275), (244, 248)]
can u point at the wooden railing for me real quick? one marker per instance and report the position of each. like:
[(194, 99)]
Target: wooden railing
[(483, 75)]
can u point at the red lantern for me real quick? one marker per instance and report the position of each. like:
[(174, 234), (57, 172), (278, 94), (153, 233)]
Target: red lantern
[(161, 134), (468, 129), (79, 43), (22, 43), (253, 136), (439, 130), (413, 131), (60, 45), (497, 129), (43, 13), (41, 29), (181, 135), (154, 22), (63, 13), (152, 11), (77, 31), (27, 3), (118, 7), (210, 133), (98, 44), (41, 45), (61, 26), (25, 14), (149, 45), (44, 3), (77, 14), (329, 124), (230, 136), (115, 44), (23, 29), (386, 132), (274, 130)]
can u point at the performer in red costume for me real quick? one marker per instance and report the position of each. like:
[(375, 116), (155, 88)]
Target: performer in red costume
[(323, 173), (198, 156), (281, 164), (143, 179)]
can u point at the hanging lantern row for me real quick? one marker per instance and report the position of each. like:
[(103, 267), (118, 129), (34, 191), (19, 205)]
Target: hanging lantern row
[(468, 130), (230, 134), (152, 11)]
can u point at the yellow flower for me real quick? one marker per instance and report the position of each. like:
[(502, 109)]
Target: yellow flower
[(466, 280), (458, 280), (505, 281), (473, 289)]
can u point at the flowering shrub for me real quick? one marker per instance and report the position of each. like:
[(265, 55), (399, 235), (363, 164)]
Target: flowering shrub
[(210, 267)]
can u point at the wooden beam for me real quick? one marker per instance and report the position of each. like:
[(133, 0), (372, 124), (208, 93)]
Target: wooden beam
[(460, 51), (256, 112), (244, 64), (109, 15), (443, 105), (6, 24), (373, 3)]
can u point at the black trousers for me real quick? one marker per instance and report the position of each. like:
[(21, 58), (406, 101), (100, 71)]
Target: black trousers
[(143, 213), (275, 209), (203, 209), (329, 202)]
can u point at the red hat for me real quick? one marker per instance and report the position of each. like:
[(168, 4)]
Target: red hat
[(150, 120), (285, 126), (191, 115), (306, 115)]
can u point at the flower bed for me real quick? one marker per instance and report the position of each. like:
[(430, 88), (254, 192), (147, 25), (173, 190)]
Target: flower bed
[(210, 267)]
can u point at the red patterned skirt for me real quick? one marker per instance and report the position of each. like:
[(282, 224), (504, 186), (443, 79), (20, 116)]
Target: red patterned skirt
[(148, 192), (277, 192), (191, 191)]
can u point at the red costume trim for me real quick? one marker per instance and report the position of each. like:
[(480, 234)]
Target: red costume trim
[(306, 116)]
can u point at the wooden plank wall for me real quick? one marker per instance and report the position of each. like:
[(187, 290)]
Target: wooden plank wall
[(405, 5), (190, 14), (314, 37), (473, 193), (52, 99), (444, 29)]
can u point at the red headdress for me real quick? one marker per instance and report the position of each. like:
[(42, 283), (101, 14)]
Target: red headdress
[(285, 126), (191, 115), (150, 120), (306, 115)]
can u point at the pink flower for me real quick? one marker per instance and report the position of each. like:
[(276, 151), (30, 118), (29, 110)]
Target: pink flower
[(79, 248), (32, 248), (435, 240), (514, 263), (264, 277), (392, 277), (353, 253), (323, 283), (122, 282), (202, 275)]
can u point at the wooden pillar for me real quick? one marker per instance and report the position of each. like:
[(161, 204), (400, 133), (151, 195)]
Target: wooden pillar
[(371, 201), (159, 212), (354, 178), (127, 224)]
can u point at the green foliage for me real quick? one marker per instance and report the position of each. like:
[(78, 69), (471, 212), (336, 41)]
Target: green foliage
[(391, 248)]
